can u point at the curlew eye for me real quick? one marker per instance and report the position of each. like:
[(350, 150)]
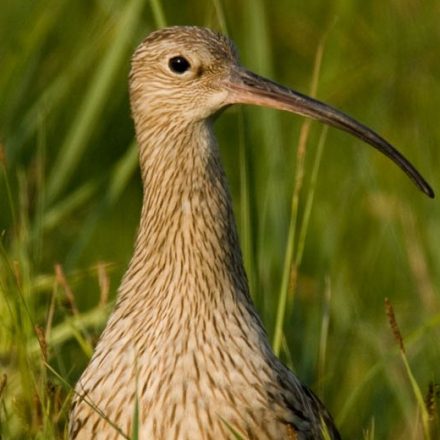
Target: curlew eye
[(179, 64)]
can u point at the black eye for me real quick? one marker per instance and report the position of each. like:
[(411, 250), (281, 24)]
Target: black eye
[(179, 64)]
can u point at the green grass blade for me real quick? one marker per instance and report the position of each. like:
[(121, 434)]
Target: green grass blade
[(419, 397), (88, 402), (234, 432), (291, 263), (158, 13), (94, 101), (120, 176), (220, 13)]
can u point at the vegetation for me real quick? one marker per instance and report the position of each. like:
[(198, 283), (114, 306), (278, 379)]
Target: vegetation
[(327, 224)]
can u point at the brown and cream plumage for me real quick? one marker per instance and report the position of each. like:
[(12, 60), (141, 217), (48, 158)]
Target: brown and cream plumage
[(184, 343)]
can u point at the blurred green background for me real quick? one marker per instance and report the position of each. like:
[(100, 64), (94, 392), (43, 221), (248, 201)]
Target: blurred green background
[(70, 195)]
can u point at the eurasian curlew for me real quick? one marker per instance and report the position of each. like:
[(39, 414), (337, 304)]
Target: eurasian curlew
[(184, 344)]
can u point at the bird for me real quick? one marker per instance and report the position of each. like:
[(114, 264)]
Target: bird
[(184, 354)]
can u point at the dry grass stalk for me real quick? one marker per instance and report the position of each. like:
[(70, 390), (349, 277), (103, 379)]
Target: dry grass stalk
[(104, 284), (393, 324), (62, 281), (41, 336)]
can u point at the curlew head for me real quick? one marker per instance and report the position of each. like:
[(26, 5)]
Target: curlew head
[(189, 74), (182, 71)]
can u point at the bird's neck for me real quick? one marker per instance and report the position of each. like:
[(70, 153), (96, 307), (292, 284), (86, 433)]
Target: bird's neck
[(187, 252)]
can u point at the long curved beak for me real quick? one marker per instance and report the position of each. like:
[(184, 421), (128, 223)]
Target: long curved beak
[(248, 88)]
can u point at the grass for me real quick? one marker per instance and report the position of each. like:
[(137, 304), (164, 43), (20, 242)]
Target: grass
[(70, 199)]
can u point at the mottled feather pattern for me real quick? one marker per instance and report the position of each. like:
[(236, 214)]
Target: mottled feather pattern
[(184, 337)]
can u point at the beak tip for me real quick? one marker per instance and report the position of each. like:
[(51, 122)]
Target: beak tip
[(430, 193)]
